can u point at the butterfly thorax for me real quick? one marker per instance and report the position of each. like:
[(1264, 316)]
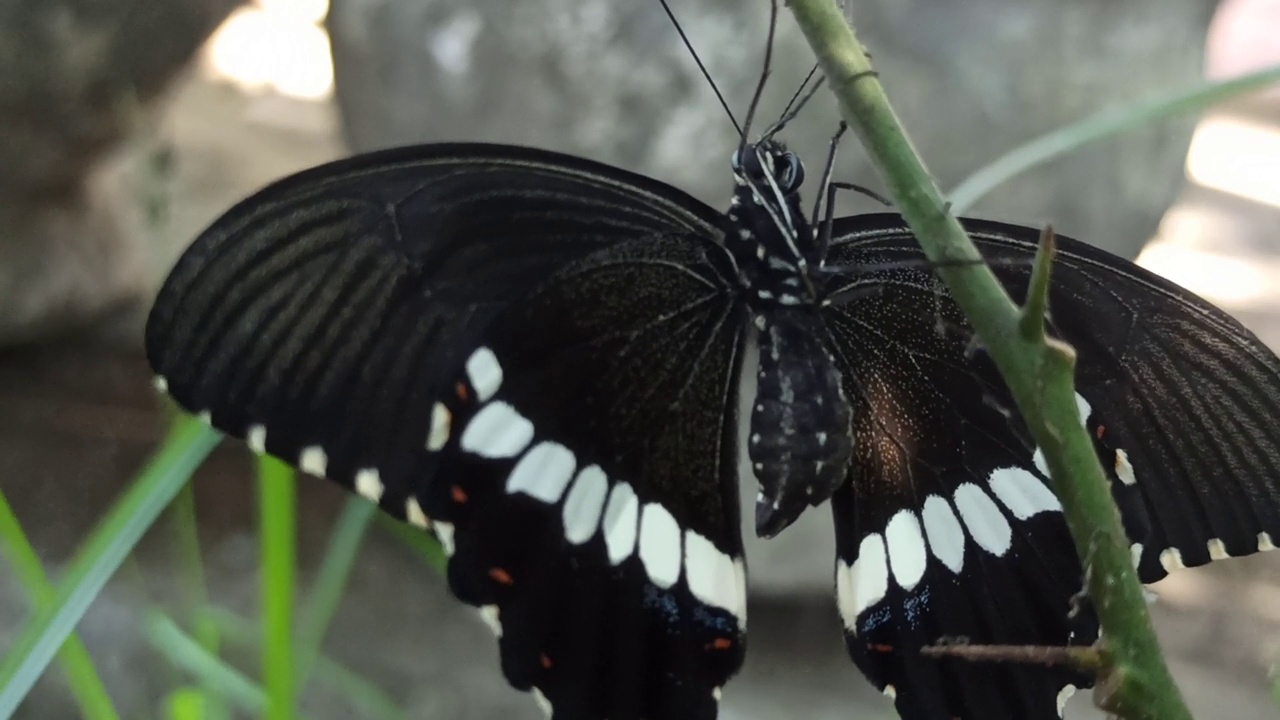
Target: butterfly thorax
[(800, 439), (771, 241)]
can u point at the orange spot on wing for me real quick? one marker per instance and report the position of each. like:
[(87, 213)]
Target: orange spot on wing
[(500, 576), (461, 390), (1102, 430), (545, 660), (720, 644), (458, 494), (879, 647)]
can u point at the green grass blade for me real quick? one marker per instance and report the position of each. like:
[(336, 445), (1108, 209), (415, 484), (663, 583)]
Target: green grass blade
[(186, 703), (1101, 125), (422, 543), (82, 676), (212, 706), (364, 696), (325, 595), (277, 523), (108, 545), (185, 652)]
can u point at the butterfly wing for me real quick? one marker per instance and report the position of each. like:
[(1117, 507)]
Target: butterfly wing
[(610, 549), (534, 356), (949, 528)]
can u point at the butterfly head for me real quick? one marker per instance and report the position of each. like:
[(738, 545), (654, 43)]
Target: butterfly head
[(768, 164)]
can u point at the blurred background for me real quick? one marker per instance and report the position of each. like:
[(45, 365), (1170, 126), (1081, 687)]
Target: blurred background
[(128, 125)]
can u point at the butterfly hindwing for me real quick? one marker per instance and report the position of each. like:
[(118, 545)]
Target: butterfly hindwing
[(605, 538), (949, 532)]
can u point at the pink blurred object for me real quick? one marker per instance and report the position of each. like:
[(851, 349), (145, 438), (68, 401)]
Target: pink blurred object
[(1244, 36)]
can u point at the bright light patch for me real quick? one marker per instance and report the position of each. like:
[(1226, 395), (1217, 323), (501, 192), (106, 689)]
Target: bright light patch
[(1222, 279), (1237, 157), (275, 46)]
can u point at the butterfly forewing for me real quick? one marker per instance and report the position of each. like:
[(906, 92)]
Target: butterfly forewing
[(323, 315), (949, 531)]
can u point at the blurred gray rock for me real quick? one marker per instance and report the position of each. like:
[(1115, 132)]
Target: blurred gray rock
[(612, 81), (78, 76)]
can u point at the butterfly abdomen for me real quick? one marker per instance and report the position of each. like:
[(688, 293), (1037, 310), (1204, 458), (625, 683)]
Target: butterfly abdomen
[(800, 426)]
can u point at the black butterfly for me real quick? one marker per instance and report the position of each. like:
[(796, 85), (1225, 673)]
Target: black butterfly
[(537, 358)]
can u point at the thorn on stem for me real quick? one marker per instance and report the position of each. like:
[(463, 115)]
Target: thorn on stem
[(1031, 324)]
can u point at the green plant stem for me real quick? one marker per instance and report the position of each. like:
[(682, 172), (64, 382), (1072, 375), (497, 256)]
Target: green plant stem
[(104, 550), (1103, 124), (90, 694), (278, 527), (1038, 371)]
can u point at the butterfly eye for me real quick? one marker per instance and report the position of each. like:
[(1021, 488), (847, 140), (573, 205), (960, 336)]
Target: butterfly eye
[(791, 173)]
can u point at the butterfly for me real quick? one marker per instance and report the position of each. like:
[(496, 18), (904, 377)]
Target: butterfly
[(537, 358)]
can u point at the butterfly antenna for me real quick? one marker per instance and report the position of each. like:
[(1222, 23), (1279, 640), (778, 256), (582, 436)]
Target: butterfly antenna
[(793, 108), (812, 71), (764, 75), (685, 38)]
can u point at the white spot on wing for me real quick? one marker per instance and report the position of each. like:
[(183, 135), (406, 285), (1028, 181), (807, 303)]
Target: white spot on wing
[(1171, 559), (484, 372), (369, 484), (1264, 542), (863, 584), (256, 437), (983, 518), (890, 692), (1065, 694), (1135, 553), (906, 548), (543, 703), (1124, 470), (543, 472), (413, 513), (621, 515), (1217, 550), (1040, 463), (1083, 407), (444, 533), (489, 614), (160, 383), (205, 417), (585, 503), (313, 460), (946, 538), (441, 426), (1022, 492), (660, 545), (497, 431), (711, 574)]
